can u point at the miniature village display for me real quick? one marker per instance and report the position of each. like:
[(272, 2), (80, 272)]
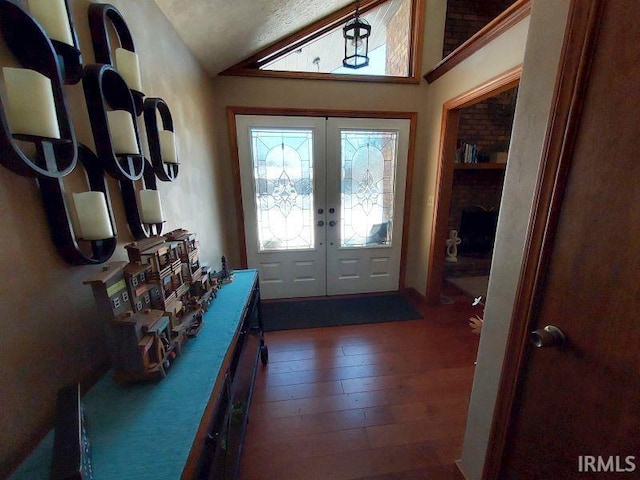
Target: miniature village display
[(153, 304)]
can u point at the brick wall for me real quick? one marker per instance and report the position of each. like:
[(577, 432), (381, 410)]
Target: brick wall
[(467, 17), (397, 49), (488, 124), (472, 189)]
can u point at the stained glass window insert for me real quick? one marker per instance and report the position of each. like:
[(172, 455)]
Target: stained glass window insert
[(368, 160), (283, 176)]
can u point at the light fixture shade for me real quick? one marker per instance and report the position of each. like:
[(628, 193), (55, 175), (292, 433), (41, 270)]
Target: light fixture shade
[(31, 106), (150, 207), (356, 34), (122, 132), (168, 148), (128, 65), (54, 18), (93, 216)]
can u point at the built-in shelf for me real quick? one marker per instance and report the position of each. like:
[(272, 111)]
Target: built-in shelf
[(479, 166)]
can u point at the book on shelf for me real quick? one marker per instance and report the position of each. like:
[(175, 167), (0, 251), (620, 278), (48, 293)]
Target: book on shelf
[(467, 153)]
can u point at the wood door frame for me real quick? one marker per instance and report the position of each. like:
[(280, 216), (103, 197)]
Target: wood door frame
[(232, 111), (571, 84), (444, 176)]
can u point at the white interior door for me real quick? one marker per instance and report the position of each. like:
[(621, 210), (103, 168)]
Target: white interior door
[(283, 190), (323, 202), (366, 177)]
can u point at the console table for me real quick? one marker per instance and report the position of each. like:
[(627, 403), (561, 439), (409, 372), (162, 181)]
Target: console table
[(189, 425)]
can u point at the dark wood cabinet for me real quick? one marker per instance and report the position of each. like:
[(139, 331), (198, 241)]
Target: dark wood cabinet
[(191, 424), (223, 444)]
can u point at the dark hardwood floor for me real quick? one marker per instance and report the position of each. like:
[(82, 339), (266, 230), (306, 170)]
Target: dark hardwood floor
[(377, 401)]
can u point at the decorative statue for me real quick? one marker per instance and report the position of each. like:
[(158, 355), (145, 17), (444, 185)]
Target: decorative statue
[(452, 246)]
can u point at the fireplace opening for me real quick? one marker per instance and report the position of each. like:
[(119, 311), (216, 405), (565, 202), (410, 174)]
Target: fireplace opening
[(478, 233)]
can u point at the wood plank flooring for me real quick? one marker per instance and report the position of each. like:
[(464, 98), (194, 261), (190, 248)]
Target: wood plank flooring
[(383, 401)]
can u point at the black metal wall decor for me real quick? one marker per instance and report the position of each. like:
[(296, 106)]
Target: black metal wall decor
[(55, 157), (58, 216), (99, 16), (166, 169), (106, 91), (49, 61), (140, 228), (57, 21)]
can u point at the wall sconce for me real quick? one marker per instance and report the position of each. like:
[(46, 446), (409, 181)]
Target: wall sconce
[(162, 143), (111, 112), (356, 33), (143, 210), (96, 225), (54, 17), (126, 60), (151, 210), (37, 112)]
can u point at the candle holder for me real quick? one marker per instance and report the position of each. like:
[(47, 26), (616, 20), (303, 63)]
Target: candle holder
[(105, 90), (12, 18), (139, 229), (166, 172), (59, 219), (55, 157), (99, 15)]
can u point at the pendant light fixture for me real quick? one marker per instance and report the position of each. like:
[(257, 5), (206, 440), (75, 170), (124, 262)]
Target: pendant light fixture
[(356, 34)]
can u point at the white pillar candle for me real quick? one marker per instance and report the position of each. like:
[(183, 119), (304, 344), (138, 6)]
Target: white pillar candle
[(31, 109), (168, 149), (123, 134), (150, 207), (129, 67), (93, 216), (54, 18)]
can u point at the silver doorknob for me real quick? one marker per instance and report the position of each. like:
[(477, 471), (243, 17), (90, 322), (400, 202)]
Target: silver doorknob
[(321, 223), (332, 223), (548, 336)]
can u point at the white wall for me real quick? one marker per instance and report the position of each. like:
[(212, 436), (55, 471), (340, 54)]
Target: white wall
[(546, 33)]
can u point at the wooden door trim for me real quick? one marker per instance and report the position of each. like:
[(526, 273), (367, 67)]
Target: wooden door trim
[(571, 84), (444, 175), (232, 111)]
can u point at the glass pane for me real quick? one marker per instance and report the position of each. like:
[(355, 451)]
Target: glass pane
[(283, 174), (389, 46), (367, 187)]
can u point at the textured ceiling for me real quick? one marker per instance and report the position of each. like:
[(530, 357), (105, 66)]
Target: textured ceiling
[(221, 33)]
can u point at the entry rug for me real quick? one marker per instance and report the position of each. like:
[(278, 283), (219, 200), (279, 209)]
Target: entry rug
[(332, 312)]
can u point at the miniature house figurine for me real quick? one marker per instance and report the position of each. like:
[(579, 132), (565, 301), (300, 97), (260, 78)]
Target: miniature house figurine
[(140, 345), (139, 342), (152, 304)]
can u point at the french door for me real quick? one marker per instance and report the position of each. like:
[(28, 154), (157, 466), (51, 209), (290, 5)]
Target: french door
[(323, 202)]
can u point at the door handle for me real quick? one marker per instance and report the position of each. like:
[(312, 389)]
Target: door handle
[(549, 336), (332, 223), (321, 223)]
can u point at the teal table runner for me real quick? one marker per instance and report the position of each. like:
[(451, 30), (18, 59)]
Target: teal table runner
[(145, 431)]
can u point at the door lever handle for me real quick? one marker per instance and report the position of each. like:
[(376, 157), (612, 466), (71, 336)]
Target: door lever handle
[(549, 336), (332, 223)]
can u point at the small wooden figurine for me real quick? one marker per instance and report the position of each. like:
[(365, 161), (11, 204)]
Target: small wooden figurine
[(152, 304)]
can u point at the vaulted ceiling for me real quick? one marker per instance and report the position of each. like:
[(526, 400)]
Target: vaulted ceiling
[(221, 33)]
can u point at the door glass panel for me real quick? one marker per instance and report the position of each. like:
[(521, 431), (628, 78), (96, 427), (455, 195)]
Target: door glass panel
[(283, 175), (368, 160)]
